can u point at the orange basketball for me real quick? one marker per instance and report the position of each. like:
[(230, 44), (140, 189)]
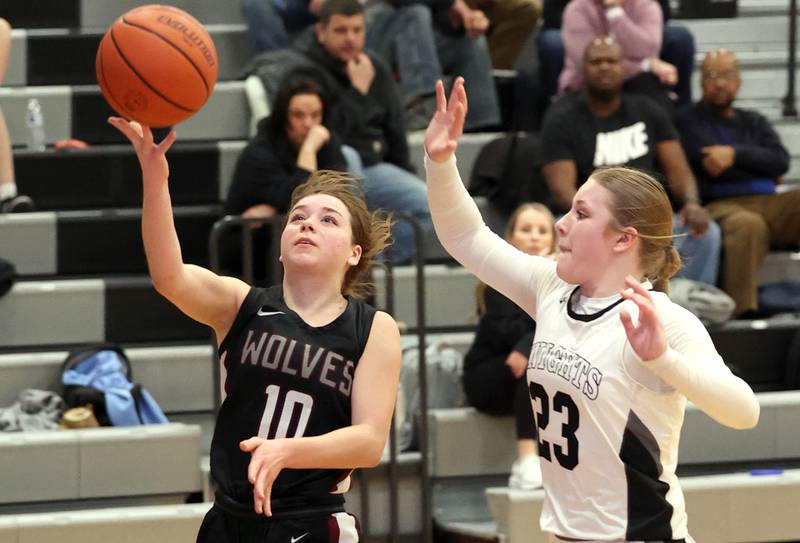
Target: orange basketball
[(156, 65)]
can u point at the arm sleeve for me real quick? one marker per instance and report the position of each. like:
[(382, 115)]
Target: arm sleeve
[(693, 366), (461, 230), (766, 156), (639, 32)]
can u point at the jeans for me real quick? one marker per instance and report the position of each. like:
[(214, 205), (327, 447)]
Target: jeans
[(677, 48), (271, 24), (700, 256), (403, 36), (467, 57), (551, 59), (390, 188)]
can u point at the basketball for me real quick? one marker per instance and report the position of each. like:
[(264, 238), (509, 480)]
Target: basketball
[(156, 65)]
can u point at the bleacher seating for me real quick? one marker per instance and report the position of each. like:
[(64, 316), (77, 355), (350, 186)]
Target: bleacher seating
[(83, 280)]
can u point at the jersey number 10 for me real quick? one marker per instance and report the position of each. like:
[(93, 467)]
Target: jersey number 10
[(290, 403)]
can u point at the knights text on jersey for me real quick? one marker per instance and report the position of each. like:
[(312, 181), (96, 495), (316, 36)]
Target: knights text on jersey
[(282, 378), (608, 427)]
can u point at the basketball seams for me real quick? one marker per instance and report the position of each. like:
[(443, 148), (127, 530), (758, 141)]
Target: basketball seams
[(119, 106), (142, 79), (178, 49)]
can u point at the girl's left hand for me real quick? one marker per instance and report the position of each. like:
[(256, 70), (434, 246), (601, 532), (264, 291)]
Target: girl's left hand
[(266, 462), (648, 338)]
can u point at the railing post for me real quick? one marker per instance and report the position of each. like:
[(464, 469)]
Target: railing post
[(789, 107)]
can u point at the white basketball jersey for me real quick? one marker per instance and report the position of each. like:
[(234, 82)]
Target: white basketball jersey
[(608, 427)]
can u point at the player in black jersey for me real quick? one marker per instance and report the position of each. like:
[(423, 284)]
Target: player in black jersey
[(309, 371)]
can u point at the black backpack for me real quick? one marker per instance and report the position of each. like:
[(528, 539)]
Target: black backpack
[(78, 396), (507, 172)]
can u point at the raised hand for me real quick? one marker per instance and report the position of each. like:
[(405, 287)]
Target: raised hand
[(152, 156), (647, 338), (266, 462), (447, 124)]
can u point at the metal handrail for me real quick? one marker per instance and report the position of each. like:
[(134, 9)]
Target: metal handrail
[(228, 223), (789, 107)]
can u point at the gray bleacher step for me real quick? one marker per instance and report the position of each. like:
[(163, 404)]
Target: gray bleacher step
[(230, 40), (85, 464), (750, 8), (180, 378), (485, 530), (100, 13), (764, 33), (224, 117), (728, 508), (174, 523), (466, 443), (449, 295)]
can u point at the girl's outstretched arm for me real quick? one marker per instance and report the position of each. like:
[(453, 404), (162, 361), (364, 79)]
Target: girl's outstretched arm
[(201, 294)]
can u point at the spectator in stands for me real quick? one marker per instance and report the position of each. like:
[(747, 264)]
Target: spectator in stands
[(510, 24), (423, 40), (738, 159), (494, 367), (637, 26), (10, 200), (604, 127), (677, 47), (614, 361), (310, 371), (290, 145), (275, 24), (368, 115)]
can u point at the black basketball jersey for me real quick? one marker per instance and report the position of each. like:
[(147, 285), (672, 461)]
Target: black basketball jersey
[(284, 378)]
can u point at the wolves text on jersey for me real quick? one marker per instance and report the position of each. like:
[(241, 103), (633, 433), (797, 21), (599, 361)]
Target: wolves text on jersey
[(570, 366), (276, 352)]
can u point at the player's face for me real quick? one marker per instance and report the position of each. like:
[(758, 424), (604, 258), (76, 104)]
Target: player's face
[(585, 237), (318, 234), (304, 112), (533, 233), (343, 37)]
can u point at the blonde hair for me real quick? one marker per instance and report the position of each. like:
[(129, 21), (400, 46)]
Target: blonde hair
[(511, 225), (640, 202), (369, 230)]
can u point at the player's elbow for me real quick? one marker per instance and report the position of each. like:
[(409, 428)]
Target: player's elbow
[(746, 420), (373, 451)]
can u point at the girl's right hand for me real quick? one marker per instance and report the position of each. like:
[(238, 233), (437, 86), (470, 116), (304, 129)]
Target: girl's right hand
[(447, 124), (152, 156)]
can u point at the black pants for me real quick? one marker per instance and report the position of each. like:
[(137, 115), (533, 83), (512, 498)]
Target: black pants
[(223, 527), (491, 388)]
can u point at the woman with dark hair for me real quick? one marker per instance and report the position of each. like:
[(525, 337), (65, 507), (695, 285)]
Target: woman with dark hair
[(290, 145)]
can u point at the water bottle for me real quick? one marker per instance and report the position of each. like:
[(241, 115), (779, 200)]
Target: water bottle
[(35, 123)]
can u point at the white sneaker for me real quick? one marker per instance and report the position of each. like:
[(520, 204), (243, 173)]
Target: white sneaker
[(526, 474)]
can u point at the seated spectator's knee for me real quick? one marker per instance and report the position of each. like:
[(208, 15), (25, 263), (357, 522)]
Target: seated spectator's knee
[(550, 43), (418, 13), (746, 224)]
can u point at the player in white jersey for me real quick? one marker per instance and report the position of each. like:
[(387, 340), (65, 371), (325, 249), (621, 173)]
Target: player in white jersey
[(310, 372), (613, 360)]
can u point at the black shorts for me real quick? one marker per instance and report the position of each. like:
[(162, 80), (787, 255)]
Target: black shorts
[(300, 526)]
